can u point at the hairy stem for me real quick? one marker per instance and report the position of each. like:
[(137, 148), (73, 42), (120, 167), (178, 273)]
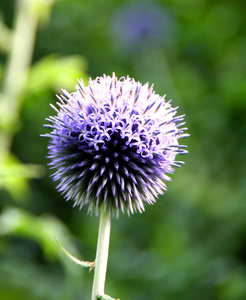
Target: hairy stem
[(101, 255)]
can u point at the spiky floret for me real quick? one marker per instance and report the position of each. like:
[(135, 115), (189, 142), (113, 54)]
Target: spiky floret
[(113, 143)]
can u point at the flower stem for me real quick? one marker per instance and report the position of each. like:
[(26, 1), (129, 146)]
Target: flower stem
[(101, 255), (16, 72)]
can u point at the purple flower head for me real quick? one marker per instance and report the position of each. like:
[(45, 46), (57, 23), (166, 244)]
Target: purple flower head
[(113, 143), (142, 23)]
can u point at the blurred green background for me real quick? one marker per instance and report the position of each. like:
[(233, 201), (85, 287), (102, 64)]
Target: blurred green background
[(192, 243)]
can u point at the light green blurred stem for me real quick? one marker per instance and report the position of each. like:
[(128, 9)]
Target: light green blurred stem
[(15, 79), (101, 255)]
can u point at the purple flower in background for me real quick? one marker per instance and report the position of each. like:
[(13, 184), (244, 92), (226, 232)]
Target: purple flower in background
[(113, 143), (142, 23)]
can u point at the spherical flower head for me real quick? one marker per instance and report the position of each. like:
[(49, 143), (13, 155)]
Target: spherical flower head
[(113, 143), (138, 24)]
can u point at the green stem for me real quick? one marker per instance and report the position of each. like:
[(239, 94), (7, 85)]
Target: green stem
[(16, 72), (101, 255), (27, 15)]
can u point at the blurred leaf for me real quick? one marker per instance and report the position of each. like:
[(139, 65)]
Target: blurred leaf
[(233, 286), (14, 177), (43, 229), (55, 72), (43, 9), (21, 273), (22, 279)]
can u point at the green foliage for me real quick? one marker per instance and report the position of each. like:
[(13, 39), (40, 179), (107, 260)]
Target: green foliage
[(14, 175), (53, 72), (191, 244)]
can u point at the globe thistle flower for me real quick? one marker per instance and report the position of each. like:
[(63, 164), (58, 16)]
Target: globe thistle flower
[(138, 24), (113, 144)]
